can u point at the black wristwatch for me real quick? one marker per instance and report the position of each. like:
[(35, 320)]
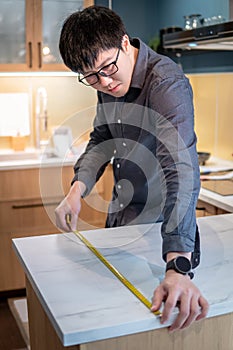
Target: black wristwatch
[(182, 265)]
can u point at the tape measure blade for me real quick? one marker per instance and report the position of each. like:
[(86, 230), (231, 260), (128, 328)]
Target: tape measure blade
[(112, 268)]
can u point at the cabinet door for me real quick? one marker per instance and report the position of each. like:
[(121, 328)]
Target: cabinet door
[(53, 15), (29, 33), (19, 219), (14, 53), (207, 209)]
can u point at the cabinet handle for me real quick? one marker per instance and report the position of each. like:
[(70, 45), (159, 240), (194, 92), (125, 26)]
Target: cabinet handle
[(35, 205), (200, 208), (30, 53), (39, 55)]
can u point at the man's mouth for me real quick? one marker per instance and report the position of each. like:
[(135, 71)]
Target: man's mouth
[(115, 88)]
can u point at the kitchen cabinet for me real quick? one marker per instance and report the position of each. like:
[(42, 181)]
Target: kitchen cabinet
[(206, 209), (29, 32), (24, 211)]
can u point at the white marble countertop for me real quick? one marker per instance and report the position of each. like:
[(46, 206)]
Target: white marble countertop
[(32, 158), (36, 163), (84, 300), (223, 202)]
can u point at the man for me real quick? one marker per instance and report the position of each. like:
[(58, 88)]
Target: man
[(144, 124)]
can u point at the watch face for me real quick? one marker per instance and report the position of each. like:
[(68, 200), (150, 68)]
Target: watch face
[(183, 264)]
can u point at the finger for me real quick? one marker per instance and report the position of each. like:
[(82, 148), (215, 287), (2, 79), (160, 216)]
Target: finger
[(183, 315), (195, 311), (62, 212), (169, 306), (158, 297), (59, 222), (204, 308), (69, 220), (62, 224), (199, 310), (73, 223)]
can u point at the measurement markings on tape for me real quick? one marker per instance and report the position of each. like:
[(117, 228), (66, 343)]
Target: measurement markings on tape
[(118, 274)]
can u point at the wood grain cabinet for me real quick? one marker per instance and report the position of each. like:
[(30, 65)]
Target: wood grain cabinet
[(30, 32), (28, 198), (207, 209)]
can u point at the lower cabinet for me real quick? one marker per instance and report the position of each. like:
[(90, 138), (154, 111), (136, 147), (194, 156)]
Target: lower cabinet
[(28, 198), (206, 209)]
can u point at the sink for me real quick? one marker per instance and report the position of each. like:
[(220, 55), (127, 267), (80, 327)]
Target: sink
[(11, 156), (26, 155)]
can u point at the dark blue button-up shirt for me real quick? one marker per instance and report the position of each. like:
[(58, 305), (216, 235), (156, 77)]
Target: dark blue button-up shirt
[(149, 136)]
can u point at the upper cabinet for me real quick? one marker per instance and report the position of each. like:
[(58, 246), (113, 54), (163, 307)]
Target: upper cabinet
[(29, 33)]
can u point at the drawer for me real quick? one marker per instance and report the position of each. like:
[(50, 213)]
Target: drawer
[(208, 209), (28, 216), (36, 183)]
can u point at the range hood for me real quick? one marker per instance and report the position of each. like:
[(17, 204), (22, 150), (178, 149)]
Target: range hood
[(213, 37)]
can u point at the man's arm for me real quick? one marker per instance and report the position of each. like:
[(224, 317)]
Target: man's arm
[(88, 169), (177, 156)]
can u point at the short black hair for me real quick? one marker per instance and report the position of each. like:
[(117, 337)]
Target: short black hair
[(88, 32)]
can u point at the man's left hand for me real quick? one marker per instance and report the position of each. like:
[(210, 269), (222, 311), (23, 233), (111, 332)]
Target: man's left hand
[(178, 290)]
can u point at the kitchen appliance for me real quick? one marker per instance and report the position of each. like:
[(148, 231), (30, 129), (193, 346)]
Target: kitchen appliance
[(213, 37), (203, 157), (62, 140), (192, 21)]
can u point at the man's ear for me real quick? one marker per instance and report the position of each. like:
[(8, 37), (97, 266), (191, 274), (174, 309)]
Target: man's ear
[(125, 44)]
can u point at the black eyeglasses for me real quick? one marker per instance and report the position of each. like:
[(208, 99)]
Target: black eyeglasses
[(106, 71)]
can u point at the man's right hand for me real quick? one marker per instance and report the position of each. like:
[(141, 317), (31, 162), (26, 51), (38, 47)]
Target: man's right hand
[(71, 204)]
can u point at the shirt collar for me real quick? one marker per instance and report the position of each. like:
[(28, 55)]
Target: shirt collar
[(139, 73)]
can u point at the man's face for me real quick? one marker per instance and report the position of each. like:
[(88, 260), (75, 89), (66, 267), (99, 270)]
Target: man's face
[(118, 83)]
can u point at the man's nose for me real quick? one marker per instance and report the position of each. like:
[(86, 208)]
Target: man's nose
[(105, 81)]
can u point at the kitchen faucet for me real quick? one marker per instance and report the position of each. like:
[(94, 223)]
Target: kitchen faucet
[(41, 115)]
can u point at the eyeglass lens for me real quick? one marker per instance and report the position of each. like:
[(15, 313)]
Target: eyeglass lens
[(105, 71)]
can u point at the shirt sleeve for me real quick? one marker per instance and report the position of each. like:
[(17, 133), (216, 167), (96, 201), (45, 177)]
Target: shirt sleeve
[(177, 156), (91, 165)]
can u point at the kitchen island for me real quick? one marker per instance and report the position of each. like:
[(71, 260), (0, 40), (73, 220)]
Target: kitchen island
[(75, 302), (213, 201)]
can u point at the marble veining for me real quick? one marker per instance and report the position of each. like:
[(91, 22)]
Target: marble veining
[(85, 301)]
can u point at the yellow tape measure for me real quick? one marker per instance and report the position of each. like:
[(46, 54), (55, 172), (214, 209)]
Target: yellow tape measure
[(118, 274)]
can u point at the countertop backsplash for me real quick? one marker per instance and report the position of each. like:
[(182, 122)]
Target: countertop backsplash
[(71, 104), (213, 105), (68, 104)]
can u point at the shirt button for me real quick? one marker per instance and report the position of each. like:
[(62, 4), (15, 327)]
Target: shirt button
[(124, 144), (118, 165), (118, 121), (114, 151), (121, 205), (119, 187)]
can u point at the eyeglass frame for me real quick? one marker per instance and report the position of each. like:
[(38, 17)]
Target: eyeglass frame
[(102, 74)]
